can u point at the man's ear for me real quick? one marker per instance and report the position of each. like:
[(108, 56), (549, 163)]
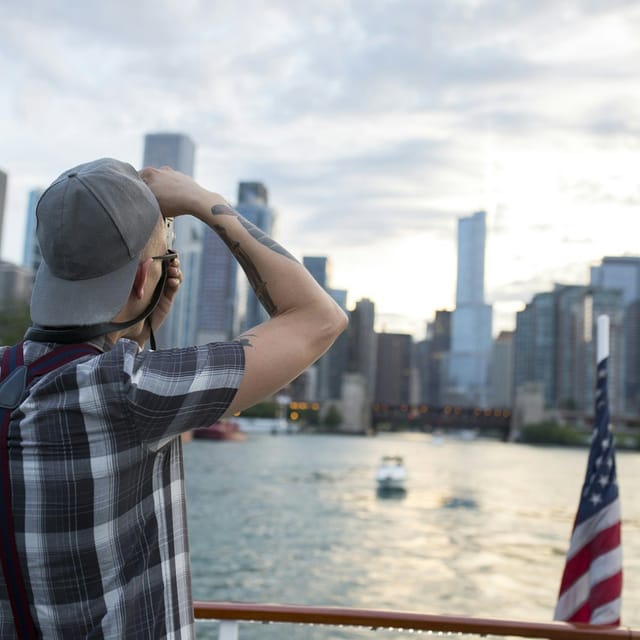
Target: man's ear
[(137, 289)]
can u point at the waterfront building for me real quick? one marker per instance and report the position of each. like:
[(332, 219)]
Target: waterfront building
[(471, 322), (3, 198), (567, 300), (535, 345), (421, 358), (501, 371), (394, 369), (362, 345), (555, 346), (437, 366), (15, 285), (623, 274), (177, 151), (631, 349), (218, 312), (31, 255), (596, 302), (253, 204)]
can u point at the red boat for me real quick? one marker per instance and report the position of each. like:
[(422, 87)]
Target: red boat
[(225, 430)]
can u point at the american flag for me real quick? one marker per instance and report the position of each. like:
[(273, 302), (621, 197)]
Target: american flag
[(591, 587)]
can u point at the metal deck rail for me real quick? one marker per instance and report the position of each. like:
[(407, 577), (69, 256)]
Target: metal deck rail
[(230, 614)]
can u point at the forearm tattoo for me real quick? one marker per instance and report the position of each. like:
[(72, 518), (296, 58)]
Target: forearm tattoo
[(245, 339), (254, 277)]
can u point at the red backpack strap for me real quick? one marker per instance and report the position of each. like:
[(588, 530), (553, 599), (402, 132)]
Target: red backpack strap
[(56, 358), (14, 381), (13, 373)]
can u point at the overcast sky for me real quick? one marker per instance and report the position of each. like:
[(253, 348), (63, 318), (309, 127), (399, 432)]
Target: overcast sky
[(374, 124)]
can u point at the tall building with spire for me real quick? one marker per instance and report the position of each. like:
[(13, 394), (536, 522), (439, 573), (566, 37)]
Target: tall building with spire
[(471, 321), (177, 151)]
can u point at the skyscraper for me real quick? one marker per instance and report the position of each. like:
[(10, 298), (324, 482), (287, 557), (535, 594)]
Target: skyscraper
[(554, 345), (433, 359), (501, 371), (31, 255), (472, 318), (362, 344), (623, 274), (177, 151), (219, 314), (393, 369), (253, 204)]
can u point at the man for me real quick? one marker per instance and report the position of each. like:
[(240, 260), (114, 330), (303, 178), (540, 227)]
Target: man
[(94, 453)]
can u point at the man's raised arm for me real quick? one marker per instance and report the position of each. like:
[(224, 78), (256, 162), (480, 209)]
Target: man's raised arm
[(305, 320)]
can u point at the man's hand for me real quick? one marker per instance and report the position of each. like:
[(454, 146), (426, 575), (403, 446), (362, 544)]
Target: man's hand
[(174, 280), (177, 193)]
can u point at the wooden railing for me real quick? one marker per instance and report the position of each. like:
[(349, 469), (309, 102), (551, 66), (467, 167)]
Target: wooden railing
[(232, 613)]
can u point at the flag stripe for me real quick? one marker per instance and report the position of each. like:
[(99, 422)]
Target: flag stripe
[(602, 544), (586, 588), (607, 613), (583, 532), (601, 592)]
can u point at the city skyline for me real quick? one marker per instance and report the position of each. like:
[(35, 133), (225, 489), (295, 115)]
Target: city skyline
[(416, 115)]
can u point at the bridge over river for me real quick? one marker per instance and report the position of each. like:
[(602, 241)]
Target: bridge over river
[(495, 421)]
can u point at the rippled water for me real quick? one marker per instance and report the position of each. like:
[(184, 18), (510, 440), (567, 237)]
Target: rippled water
[(481, 531)]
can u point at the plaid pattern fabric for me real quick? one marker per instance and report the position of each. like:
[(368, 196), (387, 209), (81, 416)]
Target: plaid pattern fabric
[(98, 491)]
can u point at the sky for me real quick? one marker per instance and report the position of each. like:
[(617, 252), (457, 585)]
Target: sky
[(374, 124)]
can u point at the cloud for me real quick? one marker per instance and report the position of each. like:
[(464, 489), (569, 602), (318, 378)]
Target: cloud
[(373, 125)]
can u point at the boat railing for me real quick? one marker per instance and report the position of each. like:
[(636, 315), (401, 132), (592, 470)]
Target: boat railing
[(229, 615)]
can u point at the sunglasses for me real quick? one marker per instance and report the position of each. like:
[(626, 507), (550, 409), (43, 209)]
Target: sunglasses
[(167, 257)]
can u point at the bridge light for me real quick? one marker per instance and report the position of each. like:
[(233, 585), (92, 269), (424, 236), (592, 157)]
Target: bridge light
[(447, 410), (315, 406), (293, 405), (294, 415), (477, 412), (458, 411)]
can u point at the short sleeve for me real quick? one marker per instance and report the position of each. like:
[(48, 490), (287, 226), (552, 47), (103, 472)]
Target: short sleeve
[(174, 390)]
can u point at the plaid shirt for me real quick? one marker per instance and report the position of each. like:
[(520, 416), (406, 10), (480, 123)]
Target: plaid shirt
[(98, 488)]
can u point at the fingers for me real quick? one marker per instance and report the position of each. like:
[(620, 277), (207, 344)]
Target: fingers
[(174, 276)]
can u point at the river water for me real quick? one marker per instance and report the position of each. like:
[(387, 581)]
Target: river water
[(482, 529)]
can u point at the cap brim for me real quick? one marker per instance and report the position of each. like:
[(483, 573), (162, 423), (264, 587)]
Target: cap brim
[(67, 303)]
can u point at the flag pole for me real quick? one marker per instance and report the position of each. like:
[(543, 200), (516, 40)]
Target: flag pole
[(602, 338), (591, 585)]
